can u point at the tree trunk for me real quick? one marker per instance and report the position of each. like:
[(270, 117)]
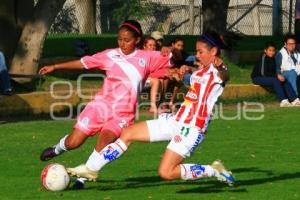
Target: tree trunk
[(13, 16), (27, 54), (9, 37), (85, 14), (297, 20), (215, 15)]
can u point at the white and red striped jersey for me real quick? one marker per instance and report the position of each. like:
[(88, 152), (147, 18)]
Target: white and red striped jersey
[(206, 87)]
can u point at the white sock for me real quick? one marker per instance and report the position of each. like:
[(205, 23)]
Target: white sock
[(60, 147), (195, 171), (109, 153)]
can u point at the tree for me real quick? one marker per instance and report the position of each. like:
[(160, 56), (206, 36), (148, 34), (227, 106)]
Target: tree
[(297, 19), (31, 24), (215, 15), (86, 15)]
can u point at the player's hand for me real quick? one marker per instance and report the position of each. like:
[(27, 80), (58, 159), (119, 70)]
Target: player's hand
[(47, 69), (218, 62), (184, 69), (280, 77)]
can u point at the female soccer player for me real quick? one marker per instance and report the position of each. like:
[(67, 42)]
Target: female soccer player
[(113, 107), (185, 130)]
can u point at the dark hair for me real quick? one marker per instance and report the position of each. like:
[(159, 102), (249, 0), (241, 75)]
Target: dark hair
[(289, 36), (132, 26), (177, 39), (270, 44), (213, 39), (145, 40)]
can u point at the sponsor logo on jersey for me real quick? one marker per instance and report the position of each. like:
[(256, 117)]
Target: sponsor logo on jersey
[(142, 62), (85, 121), (177, 139), (123, 124), (191, 96), (200, 80), (116, 56), (197, 142)]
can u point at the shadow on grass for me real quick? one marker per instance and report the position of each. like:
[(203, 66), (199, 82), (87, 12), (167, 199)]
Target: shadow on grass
[(203, 185), (240, 185)]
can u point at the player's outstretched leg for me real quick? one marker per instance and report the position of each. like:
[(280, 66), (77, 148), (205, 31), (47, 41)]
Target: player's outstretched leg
[(68, 142), (171, 168), (56, 150), (222, 173), (97, 160)]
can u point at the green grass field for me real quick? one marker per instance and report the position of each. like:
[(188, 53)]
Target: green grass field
[(263, 155)]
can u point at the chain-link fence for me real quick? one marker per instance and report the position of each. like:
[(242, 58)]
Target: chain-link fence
[(174, 16), (259, 20)]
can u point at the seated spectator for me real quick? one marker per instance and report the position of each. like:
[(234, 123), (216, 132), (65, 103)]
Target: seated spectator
[(5, 84), (152, 82), (81, 48), (159, 37), (177, 47), (288, 62), (264, 74)]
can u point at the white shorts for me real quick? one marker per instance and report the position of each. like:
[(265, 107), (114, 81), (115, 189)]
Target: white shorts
[(183, 139)]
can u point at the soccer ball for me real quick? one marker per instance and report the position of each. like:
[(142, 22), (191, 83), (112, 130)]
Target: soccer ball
[(54, 177)]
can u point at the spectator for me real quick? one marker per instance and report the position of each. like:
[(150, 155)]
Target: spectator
[(152, 81), (288, 62), (264, 74), (177, 47), (81, 48), (159, 37), (5, 84)]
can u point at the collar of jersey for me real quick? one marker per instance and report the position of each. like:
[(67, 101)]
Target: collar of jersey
[(129, 55)]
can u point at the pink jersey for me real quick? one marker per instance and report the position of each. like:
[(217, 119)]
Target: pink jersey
[(206, 87), (125, 75)]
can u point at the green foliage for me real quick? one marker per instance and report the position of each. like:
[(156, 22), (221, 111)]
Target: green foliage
[(134, 9), (263, 155), (256, 43)]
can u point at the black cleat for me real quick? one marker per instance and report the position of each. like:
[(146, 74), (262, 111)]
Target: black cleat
[(78, 185), (48, 154)]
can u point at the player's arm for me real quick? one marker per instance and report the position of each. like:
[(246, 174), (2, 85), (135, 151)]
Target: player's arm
[(76, 64), (222, 69)]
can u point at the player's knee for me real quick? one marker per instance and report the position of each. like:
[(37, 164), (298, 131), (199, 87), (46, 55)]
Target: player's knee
[(72, 143), (165, 174), (126, 137)]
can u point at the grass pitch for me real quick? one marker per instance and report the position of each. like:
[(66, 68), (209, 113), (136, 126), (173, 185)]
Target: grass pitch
[(264, 156)]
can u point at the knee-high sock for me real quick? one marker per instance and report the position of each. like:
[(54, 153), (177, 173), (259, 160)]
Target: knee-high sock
[(60, 147), (195, 171), (97, 160)]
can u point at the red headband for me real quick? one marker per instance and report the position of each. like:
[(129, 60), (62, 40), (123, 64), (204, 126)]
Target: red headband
[(132, 26)]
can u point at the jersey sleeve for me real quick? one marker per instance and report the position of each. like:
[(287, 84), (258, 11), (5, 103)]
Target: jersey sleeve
[(158, 64), (95, 61)]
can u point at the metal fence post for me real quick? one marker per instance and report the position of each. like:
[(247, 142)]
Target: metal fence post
[(191, 14), (275, 17)]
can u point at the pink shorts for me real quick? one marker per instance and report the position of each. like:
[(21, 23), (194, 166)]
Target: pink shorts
[(92, 120)]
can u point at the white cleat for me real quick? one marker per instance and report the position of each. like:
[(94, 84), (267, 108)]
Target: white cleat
[(222, 173), (285, 103), (83, 172), (296, 102)]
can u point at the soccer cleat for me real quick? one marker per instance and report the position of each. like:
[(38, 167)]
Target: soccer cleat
[(285, 103), (296, 102), (78, 185), (222, 173), (48, 154), (83, 172)]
